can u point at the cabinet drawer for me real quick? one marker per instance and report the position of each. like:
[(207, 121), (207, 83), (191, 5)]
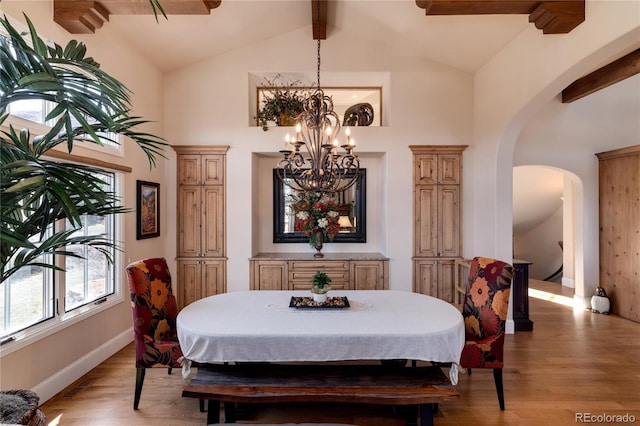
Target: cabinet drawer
[(306, 285), (319, 265), (307, 275)]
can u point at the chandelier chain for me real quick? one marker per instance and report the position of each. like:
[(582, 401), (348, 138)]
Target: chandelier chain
[(318, 75), (322, 169)]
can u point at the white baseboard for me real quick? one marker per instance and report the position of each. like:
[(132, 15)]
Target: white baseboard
[(63, 378), (568, 282), (510, 327)]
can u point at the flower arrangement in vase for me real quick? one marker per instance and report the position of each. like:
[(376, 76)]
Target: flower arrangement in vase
[(320, 285), (317, 216)]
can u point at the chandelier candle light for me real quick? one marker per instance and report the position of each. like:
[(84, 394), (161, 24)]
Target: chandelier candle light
[(323, 168)]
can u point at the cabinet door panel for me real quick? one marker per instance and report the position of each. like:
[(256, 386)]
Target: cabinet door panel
[(449, 214), (269, 275), (189, 220), (212, 169), (425, 273), (212, 277), (189, 168), (212, 222), (189, 281), (449, 169), (368, 275), (425, 170), (446, 278), (426, 214)]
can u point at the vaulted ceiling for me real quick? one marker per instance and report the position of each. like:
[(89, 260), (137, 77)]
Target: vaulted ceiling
[(461, 33), (551, 16)]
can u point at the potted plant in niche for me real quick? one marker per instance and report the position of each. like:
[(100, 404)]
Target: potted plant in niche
[(87, 104), (320, 285), (281, 103)]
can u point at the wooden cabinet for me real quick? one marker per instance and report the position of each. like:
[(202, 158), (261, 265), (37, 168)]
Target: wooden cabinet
[(437, 221), (294, 271), (619, 175), (437, 191), (435, 277), (301, 273), (198, 278), (370, 274), (201, 222)]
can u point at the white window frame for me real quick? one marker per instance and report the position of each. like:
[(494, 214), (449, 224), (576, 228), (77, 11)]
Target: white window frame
[(61, 319)]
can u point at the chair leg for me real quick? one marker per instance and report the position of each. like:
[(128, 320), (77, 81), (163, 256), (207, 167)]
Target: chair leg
[(170, 370), (497, 377), (139, 381)]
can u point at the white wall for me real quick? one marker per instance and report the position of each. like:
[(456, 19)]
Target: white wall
[(509, 90), (54, 362), (425, 103), (540, 246)]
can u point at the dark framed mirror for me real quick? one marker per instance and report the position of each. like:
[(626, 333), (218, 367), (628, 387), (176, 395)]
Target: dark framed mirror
[(352, 210)]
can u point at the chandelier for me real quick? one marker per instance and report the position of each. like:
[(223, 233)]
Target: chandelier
[(312, 159)]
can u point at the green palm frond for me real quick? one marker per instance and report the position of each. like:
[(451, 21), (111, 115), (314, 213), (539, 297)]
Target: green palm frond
[(35, 192)]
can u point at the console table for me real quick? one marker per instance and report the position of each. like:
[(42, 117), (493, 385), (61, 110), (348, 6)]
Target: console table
[(294, 271), (521, 295)]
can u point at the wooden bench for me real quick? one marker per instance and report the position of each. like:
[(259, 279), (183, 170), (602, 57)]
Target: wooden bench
[(273, 383)]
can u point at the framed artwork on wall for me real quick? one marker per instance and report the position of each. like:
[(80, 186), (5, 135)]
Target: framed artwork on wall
[(147, 209)]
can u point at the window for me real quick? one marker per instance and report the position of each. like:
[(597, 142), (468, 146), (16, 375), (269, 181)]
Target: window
[(26, 298), (36, 301), (37, 110), (91, 278), (31, 296)]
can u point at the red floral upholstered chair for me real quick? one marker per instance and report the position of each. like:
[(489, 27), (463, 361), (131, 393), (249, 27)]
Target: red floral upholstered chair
[(485, 313), (154, 311)]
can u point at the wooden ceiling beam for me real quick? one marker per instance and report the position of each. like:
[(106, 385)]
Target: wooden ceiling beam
[(618, 70), (319, 19), (551, 16), (86, 16)]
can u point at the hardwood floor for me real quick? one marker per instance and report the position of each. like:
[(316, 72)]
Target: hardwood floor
[(571, 363)]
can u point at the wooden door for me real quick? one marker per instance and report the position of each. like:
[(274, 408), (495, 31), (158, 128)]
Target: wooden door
[(619, 172)]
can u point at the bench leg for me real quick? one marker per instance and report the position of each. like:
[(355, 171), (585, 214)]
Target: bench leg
[(213, 412), (229, 412), (426, 414)]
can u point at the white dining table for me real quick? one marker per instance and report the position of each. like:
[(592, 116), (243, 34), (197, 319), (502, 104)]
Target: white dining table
[(259, 326)]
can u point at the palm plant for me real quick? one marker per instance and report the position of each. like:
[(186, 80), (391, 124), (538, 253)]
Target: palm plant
[(35, 192)]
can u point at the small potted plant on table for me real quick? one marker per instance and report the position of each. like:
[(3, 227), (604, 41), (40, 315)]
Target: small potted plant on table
[(320, 285)]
